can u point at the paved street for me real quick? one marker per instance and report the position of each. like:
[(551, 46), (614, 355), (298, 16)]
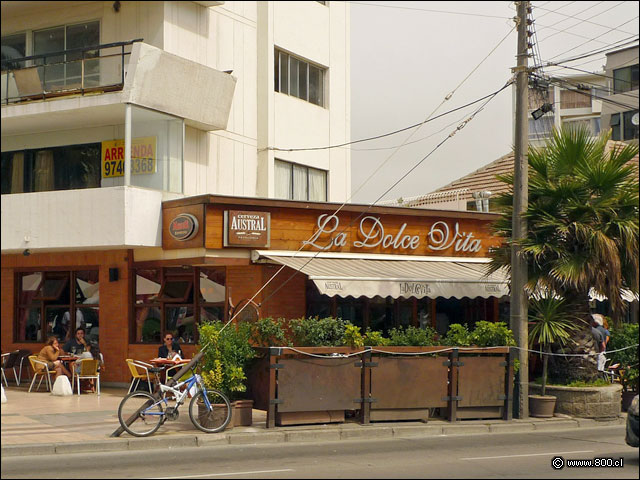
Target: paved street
[(513, 455)]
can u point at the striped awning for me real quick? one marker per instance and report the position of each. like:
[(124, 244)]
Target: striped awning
[(369, 275)]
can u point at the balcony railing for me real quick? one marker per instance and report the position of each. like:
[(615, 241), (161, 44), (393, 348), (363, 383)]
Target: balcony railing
[(67, 72)]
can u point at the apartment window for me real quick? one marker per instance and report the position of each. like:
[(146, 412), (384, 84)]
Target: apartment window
[(66, 70), (622, 127), (174, 300), (591, 124), (57, 168), (575, 99), (13, 46), (625, 79), (541, 128), (299, 78), (55, 303), (298, 182)]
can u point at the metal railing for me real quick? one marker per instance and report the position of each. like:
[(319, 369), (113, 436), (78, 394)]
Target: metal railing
[(66, 72)]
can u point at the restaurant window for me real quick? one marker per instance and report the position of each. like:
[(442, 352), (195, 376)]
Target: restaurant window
[(625, 79), (298, 182), (57, 168), (299, 78), (56, 303), (174, 300)]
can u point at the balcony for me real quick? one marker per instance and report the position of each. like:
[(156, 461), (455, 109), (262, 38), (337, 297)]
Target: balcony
[(90, 86)]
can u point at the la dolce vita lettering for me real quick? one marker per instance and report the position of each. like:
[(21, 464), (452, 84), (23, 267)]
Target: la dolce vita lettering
[(248, 222), (372, 234)]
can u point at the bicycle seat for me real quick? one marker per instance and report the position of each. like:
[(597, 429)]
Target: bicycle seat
[(155, 370)]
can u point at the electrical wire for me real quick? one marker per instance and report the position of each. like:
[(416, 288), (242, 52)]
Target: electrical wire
[(595, 38), (579, 23), (592, 23), (560, 82), (613, 46), (635, 59), (564, 19), (428, 10)]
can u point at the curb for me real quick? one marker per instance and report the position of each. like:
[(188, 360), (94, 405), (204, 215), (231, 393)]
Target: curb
[(342, 433)]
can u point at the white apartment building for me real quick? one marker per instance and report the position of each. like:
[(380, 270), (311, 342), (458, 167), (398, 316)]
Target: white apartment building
[(111, 111), (210, 131)]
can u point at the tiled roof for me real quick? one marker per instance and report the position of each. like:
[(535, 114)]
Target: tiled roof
[(484, 178)]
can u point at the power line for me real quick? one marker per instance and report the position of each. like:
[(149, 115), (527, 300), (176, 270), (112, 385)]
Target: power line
[(613, 46), (385, 134), (600, 74), (559, 82), (582, 21), (594, 39), (429, 10), (592, 23)]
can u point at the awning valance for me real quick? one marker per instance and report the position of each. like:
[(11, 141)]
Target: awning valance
[(392, 275)]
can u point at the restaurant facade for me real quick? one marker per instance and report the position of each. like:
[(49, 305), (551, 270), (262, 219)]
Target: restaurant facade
[(378, 267)]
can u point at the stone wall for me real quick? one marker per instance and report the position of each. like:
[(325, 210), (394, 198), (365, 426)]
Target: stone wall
[(585, 402)]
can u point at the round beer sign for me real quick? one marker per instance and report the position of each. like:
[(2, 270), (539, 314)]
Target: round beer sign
[(183, 227)]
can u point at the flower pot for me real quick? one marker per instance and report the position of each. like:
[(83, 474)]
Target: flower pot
[(627, 398), (218, 416), (242, 415), (542, 406)]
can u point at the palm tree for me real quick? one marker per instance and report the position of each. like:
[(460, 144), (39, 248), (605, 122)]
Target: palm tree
[(582, 228), (551, 322)]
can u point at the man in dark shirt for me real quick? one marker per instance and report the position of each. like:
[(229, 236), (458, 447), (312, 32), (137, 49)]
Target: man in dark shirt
[(78, 344), (169, 348)]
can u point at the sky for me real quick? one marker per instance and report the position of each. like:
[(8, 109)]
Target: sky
[(406, 57)]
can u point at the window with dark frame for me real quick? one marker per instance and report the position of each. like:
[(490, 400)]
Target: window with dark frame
[(625, 79), (56, 303), (175, 300), (299, 78)]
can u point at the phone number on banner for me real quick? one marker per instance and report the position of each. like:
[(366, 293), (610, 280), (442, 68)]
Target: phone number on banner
[(115, 168)]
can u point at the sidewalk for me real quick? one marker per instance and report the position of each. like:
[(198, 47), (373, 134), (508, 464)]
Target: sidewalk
[(39, 423)]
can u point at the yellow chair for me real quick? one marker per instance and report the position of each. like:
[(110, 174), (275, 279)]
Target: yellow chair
[(140, 371), (41, 370), (88, 369)]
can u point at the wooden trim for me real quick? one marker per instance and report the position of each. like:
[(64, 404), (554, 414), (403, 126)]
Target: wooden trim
[(193, 262), (244, 203)]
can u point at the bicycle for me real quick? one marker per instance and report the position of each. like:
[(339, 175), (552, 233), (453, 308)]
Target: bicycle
[(141, 413)]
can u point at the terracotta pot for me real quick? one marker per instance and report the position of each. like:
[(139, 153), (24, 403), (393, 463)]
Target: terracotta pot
[(627, 398), (242, 415), (542, 406)]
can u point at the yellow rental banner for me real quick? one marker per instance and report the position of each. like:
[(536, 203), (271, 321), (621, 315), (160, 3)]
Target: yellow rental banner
[(143, 157)]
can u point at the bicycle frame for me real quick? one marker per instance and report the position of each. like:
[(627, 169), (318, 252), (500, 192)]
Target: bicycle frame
[(190, 382)]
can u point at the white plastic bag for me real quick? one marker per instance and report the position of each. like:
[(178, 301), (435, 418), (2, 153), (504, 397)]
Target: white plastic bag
[(4, 397), (62, 387)]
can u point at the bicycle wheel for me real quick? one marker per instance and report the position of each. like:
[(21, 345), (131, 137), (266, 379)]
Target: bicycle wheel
[(147, 415), (213, 420)]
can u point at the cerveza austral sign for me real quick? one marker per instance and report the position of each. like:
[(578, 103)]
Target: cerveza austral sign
[(442, 235)]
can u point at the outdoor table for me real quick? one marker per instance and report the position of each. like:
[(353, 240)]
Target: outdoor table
[(70, 363), (167, 362)]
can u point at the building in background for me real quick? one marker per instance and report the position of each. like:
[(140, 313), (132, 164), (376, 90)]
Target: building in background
[(110, 109), (620, 112)]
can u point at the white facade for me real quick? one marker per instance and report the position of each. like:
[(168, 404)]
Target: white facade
[(201, 83)]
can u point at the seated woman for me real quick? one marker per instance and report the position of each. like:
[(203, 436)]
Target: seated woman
[(49, 355)]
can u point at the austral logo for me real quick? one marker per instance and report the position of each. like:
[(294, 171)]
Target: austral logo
[(183, 227)]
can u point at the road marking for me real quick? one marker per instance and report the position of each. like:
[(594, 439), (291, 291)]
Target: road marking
[(223, 474), (527, 455)]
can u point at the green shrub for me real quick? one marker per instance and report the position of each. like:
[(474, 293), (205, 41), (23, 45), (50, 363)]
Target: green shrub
[(317, 332), (412, 336), (374, 338), (457, 336), (268, 332), (226, 355), (622, 337), (490, 334), (352, 336)]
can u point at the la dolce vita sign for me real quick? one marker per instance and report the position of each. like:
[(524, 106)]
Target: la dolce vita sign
[(442, 235)]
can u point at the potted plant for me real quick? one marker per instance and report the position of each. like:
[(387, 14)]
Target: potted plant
[(227, 352), (550, 321)]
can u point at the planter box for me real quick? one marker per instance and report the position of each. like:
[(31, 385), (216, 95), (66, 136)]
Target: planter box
[(242, 413), (585, 402)]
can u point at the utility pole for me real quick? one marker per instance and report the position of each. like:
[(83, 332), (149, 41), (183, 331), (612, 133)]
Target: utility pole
[(519, 313)]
